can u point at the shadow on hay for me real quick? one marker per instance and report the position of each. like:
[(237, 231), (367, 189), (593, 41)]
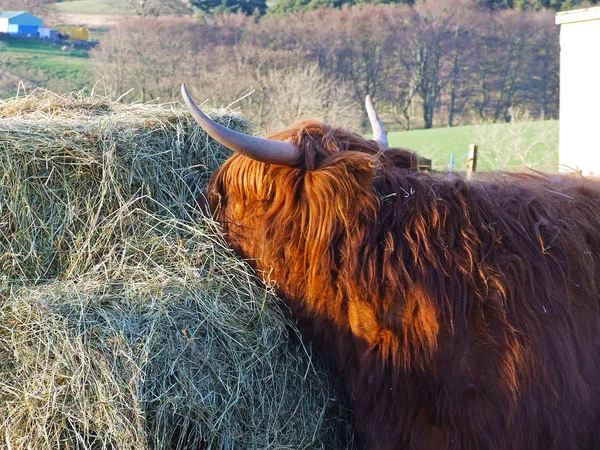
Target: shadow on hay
[(125, 320)]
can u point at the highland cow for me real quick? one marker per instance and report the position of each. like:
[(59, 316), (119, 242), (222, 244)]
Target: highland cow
[(461, 314)]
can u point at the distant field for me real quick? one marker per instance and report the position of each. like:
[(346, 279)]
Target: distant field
[(111, 7), (501, 146), (42, 64)]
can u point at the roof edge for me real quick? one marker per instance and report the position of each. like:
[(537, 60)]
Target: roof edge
[(578, 15)]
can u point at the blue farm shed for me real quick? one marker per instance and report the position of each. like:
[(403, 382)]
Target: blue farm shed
[(20, 23)]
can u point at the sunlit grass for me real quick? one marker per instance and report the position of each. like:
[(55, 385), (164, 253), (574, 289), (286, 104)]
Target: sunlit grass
[(44, 64), (111, 7), (502, 146)]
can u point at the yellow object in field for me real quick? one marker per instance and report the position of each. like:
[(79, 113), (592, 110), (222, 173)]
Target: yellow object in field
[(79, 34)]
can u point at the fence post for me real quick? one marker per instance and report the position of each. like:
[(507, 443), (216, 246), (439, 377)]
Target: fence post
[(472, 161), (424, 164)]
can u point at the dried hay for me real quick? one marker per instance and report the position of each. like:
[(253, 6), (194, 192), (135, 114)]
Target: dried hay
[(125, 321)]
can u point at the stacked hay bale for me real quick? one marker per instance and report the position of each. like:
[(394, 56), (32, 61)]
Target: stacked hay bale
[(125, 321)]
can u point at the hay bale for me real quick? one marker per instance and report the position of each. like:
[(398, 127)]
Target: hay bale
[(125, 321), (71, 164)]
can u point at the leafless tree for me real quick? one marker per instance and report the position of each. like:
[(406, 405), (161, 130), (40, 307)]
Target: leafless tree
[(433, 54), (541, 75), (31, 6), (159, 7), (400, 93), (303, 92), (436, 63), (149, 55)]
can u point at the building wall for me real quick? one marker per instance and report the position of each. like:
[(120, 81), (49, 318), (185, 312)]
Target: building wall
[(3, 25), (28, 31), (45, 33), (579, 141)]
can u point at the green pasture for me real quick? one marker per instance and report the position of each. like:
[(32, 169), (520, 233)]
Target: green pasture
[(17, 46), (110, 7), (502, 146), (39, 63)]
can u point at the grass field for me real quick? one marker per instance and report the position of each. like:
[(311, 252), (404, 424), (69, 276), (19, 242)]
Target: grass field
[(510, 146), (111, 7), (43, 64)]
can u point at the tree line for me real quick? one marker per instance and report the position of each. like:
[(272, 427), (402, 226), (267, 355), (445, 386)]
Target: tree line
[(259, 7), (429, 64)]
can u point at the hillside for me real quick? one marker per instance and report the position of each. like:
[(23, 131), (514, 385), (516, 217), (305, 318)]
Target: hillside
[(112, 10), (106, 7), (58, 67), (283, 62)]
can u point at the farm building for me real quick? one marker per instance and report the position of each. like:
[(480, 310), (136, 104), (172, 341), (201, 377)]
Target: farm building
[(579, 146), (20, 23), (48, 34)]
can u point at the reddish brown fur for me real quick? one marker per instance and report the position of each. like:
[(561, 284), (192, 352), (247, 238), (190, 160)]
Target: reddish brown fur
[(463, 315)]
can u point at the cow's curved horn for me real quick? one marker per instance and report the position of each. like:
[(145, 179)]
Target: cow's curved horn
[(266, 150), (379, 135)]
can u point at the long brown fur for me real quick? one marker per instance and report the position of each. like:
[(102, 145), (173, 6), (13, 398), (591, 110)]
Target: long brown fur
[(462, 315)]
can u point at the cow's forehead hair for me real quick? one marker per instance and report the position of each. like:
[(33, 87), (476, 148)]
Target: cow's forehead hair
[(320, 145), (318, 141)]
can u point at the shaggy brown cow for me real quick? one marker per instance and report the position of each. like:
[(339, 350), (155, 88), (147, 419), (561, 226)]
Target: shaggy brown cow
[(463, 315)]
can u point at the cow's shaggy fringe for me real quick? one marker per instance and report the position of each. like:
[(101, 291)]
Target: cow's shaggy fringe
[(125, 322), (464, 315)]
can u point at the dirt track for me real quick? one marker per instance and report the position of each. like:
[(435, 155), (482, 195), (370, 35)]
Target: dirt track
[(85, 20)]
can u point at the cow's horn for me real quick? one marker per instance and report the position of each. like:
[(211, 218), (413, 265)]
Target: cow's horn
[(379, 135), (261, 149)]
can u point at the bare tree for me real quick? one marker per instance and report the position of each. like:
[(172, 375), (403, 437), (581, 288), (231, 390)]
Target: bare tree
[(302, 92), (541, 78), (507, 62), (439, 62), (31, 6), (149, 55), (512, 60), (401, 94), (458, 91), (364, 56), (159, 7), (352, 44)]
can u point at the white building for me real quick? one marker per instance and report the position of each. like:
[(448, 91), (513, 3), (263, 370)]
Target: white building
[(579, 141), (20, 23)]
